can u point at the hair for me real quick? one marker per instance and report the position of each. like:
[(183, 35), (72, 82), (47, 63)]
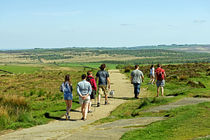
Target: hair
[(89, 72), (158, 65), (83, 76), (136, 66), (151, 66), (103, 66), (67, 78)]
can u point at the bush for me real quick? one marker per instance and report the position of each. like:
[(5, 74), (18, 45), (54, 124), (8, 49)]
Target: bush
[(196, 84)]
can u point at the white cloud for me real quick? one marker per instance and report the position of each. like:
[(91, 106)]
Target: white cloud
[(199, 21)]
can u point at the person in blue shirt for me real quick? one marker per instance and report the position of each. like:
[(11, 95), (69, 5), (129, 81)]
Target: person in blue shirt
[(68, 96), (84, 90)]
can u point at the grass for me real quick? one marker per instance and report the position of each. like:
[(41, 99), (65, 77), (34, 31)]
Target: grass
[(133, 108), (185, 123), (16, 69), (91, 65), (33, 98)]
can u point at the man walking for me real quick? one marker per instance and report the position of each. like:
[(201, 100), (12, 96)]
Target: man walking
[(102, 77), (137, 78), (160, 77), (84, 90)]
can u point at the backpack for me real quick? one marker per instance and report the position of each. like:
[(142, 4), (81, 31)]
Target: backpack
[(89, 80), (159, 75), (62, 87)]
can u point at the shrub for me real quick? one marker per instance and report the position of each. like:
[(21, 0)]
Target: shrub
[(196, 84), (183, 77), (15, 101)]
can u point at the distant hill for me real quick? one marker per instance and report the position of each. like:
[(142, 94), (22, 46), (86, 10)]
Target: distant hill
[(184, 48), (121, 55)]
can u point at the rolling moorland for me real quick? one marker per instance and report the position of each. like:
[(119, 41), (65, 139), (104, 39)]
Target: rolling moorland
[(30, 80), (141, 55)]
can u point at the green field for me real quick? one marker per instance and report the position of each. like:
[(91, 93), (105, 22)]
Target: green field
[(33, 97), (19, 69)]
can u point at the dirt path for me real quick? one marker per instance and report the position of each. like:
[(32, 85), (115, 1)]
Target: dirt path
[(64, 129)]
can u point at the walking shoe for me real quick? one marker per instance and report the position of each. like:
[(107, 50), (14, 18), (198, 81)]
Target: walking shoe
[(90, 111), (106, 103), (98, 104), (69, 117)]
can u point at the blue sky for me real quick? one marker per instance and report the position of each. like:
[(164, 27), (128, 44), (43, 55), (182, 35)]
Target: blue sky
[(102, 23)]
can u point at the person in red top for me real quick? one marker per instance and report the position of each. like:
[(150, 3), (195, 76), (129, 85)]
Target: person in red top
[(160, 77), (92, 81)]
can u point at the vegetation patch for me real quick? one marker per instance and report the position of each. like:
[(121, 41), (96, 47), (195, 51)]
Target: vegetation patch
[(185, 123)]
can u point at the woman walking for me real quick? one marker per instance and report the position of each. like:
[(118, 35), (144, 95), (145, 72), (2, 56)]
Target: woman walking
[(67, 90), (84, 90), (152, 74)]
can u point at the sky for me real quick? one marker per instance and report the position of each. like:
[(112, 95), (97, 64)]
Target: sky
[(102, 23)]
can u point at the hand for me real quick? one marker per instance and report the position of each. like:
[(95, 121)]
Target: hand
[(83, 97), (109, 87)]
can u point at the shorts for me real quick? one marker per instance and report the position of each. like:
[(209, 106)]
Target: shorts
[(152, 75), (160, 83), (68, 96), (86, 101), (93, 94), (102, 89)]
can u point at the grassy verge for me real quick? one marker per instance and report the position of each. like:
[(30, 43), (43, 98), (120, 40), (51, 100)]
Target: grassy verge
[(183, 123), (134, 108)]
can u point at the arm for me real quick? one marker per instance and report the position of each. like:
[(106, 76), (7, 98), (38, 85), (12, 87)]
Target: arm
[(89, 90), (94, 84), (164, 74), (142, 76), (131, 77), (108, 81), (78, 91)]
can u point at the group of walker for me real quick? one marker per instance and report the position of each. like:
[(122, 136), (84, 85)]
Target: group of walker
[(86, 89), (137, 77)]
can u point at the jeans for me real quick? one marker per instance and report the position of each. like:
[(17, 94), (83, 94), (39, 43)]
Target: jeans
[(136, 89)]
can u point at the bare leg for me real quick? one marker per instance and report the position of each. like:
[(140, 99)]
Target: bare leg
[(89, 106), (153, 80), (67, 106), (158, 91), (162, 91), (85, 109), (82, 110), (99, 98), (106, 97)]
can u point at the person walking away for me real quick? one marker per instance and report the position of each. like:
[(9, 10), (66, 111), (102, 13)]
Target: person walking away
[(68, 96), (92, 82), (84, 90), (160, 77), (152, 74), (137, 78), (102, 77)]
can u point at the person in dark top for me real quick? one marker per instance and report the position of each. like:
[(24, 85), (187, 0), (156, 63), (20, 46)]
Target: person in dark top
[(102, 77)]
